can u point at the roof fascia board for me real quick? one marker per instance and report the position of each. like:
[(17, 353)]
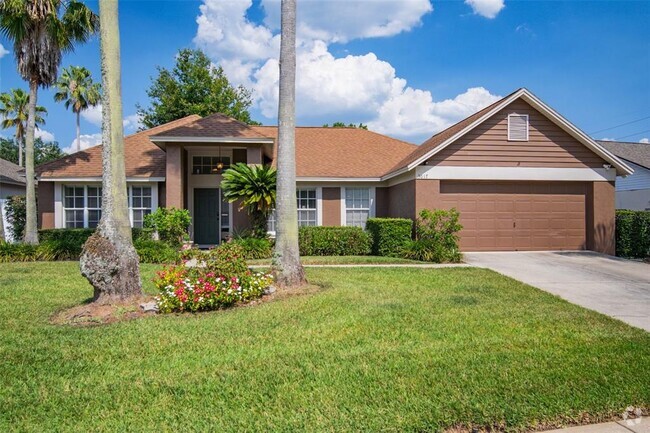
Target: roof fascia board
[(163, 139), (99, 179)]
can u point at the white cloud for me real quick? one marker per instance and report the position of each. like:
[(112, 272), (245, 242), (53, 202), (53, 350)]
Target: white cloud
[(360, 86), (93, 115), (132, 123), (3, 51), (338, 21), (607, 139), (645, 140), (86, 140), (486, 8), (44, 135)]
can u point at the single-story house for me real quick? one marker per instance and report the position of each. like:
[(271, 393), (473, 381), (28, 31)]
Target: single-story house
[(12, 182), (522, 177), (633, 191)]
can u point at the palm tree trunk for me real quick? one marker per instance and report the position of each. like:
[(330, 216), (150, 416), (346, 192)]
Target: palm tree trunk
[(286, 258), (31, 230), (2, 224), (109, 260), (20, 151), (78, 145)]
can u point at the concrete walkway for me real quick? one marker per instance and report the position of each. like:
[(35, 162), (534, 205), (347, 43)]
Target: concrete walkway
[(639, 425), (383, 265), (616, 287)]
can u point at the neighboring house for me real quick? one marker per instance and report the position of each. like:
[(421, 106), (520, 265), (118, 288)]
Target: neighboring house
[(632, 192), (522, 176), (12, 182)]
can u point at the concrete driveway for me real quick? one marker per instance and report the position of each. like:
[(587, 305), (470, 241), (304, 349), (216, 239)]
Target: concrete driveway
[(617, 287)]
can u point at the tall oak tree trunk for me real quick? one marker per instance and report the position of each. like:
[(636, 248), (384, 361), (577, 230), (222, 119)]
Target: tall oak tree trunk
[(286, 258), (31, 229), (109, 260)]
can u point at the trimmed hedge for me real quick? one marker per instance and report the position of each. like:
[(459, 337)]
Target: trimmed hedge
[(79, 236), (633, 234), (389, 235), (334, 241)]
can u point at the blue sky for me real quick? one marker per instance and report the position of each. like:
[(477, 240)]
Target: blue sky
[(407, 69)]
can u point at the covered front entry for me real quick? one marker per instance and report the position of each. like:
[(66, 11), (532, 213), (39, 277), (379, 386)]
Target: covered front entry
[(206, 216), (518, 216)]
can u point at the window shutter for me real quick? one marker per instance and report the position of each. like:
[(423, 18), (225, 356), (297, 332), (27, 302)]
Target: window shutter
[(518, 127)]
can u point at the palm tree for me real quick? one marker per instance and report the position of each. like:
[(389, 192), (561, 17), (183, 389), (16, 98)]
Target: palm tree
[(76, 88), (109, 260), (40, 35), (255, 187), (13, 109), (286, 257)]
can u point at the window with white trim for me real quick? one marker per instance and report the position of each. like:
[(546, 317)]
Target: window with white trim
[(74, 206), (357, 206), (94, 205), (518, 127), (306, 202), (139, 204), (209, 164)]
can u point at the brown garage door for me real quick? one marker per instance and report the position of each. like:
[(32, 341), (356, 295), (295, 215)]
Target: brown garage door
[(518, 216)]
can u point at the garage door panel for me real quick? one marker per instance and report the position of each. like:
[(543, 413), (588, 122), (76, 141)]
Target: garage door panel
[(508, 216)]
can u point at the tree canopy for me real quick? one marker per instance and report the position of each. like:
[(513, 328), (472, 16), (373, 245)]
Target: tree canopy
[(194, 86), (343, 125), (43, 151)]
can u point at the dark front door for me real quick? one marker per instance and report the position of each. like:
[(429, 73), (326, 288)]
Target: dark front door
[(206, 216)]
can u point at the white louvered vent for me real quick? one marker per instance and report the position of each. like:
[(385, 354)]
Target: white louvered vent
[(518, 127)]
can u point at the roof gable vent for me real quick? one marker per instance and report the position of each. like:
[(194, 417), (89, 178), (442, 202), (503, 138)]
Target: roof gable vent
[(518, 127)]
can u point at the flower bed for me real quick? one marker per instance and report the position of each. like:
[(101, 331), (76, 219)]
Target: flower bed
[(222, 282)]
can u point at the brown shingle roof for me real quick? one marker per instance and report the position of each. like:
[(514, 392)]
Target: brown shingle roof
[(442, 136), (215, 125), (11, 173), (637, 153), (343, 152), (142, 157)]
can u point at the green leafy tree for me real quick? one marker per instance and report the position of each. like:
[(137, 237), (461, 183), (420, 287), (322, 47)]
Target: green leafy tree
[(13, 110), (286, 256), (109, 260), (194, 86), (255, 187), (343, 125), (41, 31), (43, 151), (76, 89), (171, 224)]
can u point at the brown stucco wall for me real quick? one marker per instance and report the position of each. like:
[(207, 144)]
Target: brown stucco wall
[(174, 176), (46, 205), (427, 194), (331, 206), (601, 216), (401, 200), (381, 202)]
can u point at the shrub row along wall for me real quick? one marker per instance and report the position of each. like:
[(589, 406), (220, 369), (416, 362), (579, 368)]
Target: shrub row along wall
[(334, 241), (633, 234), (389, 235)]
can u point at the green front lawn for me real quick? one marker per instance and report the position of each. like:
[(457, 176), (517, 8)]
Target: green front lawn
[(344, 260), (391, 349)]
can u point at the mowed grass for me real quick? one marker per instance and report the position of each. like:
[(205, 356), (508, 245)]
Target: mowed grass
[(344, 260), (375, 350)]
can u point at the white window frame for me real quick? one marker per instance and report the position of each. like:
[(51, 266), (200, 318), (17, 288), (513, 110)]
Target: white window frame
[(307, 209), (84, 208), (87, 208), (59, 199), (319, 208), (141, 208), (527, 126), (344, 209)]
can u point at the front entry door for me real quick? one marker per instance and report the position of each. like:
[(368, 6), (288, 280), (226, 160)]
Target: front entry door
[(206, 216)]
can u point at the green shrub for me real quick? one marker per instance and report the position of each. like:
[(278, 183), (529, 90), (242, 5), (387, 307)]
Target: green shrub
[(150, 251), (389, 235), (436, 237), (255, 248), (72, 236), (633, 233), (46, 251), (16, 210), (170, 223), (227, 259), (334, 241)]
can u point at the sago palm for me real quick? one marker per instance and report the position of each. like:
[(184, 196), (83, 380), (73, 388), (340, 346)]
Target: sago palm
[(13, 110), (255, 186), (41, 31), (76, 89)]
